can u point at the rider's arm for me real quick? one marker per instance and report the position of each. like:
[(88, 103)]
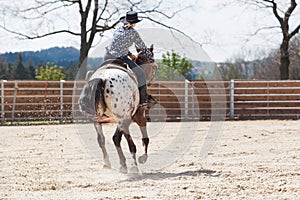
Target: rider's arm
[(140, 44)]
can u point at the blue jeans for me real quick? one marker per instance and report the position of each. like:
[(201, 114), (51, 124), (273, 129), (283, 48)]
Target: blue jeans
[(138, 71)]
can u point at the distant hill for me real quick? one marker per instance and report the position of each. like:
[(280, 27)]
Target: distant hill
[(60, 55)]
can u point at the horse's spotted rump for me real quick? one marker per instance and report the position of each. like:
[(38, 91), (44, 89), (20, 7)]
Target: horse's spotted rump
[(120, 92)]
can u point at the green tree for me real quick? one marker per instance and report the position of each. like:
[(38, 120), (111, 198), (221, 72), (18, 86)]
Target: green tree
[(49, 72), (4, 69), (69, 71), (31, 70), (21, 72), (174, 66)]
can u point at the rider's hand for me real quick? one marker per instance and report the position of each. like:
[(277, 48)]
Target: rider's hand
[(154, 64), (133, 57)]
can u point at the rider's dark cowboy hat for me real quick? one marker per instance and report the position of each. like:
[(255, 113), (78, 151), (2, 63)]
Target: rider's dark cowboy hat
[(130, 18)]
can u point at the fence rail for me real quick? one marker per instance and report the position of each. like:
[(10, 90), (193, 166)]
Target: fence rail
[(56, 101)]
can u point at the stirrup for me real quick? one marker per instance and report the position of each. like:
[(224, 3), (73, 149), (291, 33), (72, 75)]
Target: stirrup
[(151, 99), (149, 104), (145, 104)]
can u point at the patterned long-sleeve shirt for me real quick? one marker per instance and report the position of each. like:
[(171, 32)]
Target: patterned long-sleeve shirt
[(123, 38)]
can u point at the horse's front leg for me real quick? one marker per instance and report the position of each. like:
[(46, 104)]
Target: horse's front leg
[(101, 142), (141, 121), (145, 140)]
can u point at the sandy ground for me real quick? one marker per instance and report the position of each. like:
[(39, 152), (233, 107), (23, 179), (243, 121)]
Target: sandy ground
[(250, 160)]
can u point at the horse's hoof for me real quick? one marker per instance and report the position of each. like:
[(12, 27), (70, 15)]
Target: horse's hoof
[(123, 169), (134, 170), (142, 159), (106, 166)]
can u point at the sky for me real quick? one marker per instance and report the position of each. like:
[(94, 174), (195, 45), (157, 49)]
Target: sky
[(223, 31)]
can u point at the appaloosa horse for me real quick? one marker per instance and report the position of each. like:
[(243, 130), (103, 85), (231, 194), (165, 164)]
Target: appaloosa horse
[(112, 91)]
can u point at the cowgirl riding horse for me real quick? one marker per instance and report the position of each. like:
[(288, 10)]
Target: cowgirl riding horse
[(123, 38), (113, 91)]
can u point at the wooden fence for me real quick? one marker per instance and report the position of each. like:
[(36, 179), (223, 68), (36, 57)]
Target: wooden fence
[(56, 101), (265, 99)]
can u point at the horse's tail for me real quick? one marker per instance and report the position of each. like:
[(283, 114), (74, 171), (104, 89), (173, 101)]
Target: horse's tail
[(92, 97), (100, 103)]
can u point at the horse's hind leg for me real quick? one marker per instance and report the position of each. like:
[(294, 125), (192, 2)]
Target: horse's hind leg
[(117, 141), (101, 142), (132, 149), (123, 128)]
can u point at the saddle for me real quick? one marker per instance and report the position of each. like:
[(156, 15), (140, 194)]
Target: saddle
[(148, 68), (118, 64), (115, 61)]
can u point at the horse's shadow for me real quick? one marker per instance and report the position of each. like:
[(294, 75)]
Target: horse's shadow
[(166, 175)]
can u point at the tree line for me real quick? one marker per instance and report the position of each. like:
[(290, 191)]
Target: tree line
[(175, 67), (267, 68), (30, 71), (96, 17), (172, 67)]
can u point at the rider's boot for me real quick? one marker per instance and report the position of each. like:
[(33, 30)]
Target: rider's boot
[(146, 100)]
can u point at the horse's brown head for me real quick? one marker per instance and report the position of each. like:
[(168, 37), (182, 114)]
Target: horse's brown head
[(149, 66), (142, 57)]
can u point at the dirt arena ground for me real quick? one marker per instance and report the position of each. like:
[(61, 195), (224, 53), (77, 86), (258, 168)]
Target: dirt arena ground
[(250, 160)]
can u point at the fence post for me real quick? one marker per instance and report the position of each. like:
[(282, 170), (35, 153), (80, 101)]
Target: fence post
[(14, 102), (2, 101), (194, 115), (186, 99), (231, 99), (61, 88)]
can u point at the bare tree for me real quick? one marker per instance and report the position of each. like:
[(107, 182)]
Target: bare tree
[(94, 16), (268, 68), (295, 58), (283, 16)]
